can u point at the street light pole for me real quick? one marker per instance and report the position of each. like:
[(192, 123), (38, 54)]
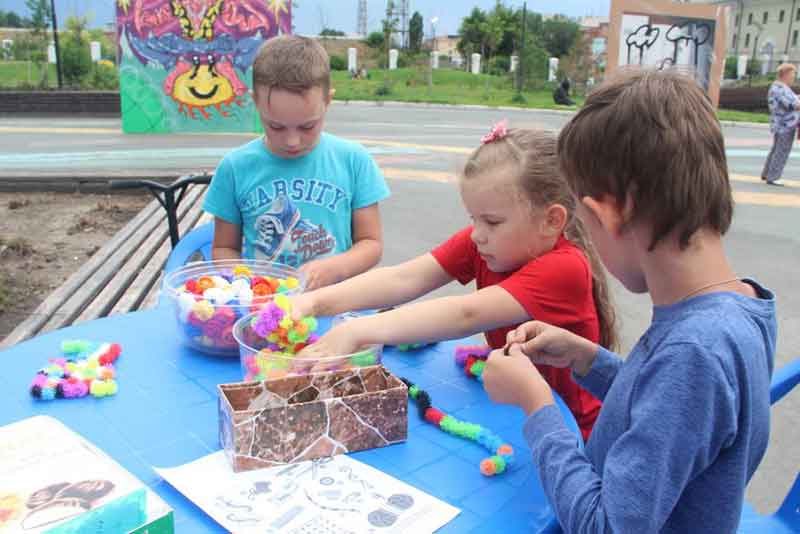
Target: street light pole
[(55, 42)]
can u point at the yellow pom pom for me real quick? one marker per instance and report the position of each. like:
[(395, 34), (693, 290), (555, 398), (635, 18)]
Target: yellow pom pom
[(291, 282), (203, 310), (286, 323), (282, 301), (242, 270)]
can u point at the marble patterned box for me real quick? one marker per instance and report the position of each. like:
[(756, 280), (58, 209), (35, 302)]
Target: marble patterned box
[(297, 418)]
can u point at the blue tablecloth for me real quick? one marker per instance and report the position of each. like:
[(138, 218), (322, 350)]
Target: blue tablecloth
[(165, 414)]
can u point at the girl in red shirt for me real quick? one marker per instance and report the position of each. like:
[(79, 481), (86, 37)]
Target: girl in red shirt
[(525, 249)]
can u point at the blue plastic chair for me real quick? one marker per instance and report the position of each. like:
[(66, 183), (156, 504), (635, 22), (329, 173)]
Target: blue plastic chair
[(787, 518), (197, 241)]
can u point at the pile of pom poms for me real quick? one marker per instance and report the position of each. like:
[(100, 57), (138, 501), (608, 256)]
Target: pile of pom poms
[(473, 359), (281, 338), (502, 453), (208, 306), (86, 368)]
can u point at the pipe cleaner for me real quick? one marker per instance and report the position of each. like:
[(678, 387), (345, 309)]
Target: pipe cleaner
[(473, 359), (85, 368), (503, 453)]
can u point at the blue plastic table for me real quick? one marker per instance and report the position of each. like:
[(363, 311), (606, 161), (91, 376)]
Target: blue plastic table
[(165, 414)]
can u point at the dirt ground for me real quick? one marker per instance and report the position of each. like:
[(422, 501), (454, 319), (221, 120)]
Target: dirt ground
[(45, 237)]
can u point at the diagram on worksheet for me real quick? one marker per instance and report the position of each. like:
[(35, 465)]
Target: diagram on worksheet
[(337, 495)]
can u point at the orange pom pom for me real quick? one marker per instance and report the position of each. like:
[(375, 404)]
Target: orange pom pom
[(205, 282), (505, 449), (487, 467)]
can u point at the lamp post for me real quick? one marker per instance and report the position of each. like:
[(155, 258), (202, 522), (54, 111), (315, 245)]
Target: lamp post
[(434, 20), (55, 42)]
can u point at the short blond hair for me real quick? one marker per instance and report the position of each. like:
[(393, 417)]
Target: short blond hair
[(292, 63), (785, 68)]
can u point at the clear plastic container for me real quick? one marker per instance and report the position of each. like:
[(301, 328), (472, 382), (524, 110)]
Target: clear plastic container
[(261, 364), (206, 322)]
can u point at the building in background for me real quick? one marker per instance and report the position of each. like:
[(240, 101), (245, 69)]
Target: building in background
[(767, 30)]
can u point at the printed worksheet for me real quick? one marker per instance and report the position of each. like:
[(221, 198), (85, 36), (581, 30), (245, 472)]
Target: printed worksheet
[(337, 495)]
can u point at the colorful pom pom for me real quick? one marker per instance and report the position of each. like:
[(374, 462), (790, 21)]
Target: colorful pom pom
[(503, 453), (88, 371)]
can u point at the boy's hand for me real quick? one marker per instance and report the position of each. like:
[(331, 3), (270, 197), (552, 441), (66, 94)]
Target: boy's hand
[(317, 275), (513, 379), (549, 345)]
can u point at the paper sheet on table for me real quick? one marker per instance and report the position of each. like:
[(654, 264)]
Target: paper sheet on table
[(337, 495)]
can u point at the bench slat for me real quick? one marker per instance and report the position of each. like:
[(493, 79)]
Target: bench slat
[(148, 277), (51, 307), (120, 283)]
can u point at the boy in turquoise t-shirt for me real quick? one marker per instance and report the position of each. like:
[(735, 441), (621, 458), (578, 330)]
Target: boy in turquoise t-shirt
[(298, 196)]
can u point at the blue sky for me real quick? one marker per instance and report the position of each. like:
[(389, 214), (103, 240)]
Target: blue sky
[(341, 14)]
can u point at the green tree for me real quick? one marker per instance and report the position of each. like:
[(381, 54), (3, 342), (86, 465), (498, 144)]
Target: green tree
[(75, 55), (473, 31), (108, 49), (415, 32), (389, 25), (330, 32), (39, 23), (374, 40), (559, 35)]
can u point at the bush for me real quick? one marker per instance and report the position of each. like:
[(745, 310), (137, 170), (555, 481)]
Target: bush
[(753, 67), (338, 63), (498, 65), (104, 76), (731, 66), (76, 61)]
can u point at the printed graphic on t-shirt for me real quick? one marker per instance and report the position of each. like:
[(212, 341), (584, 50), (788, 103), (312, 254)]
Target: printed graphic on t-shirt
[(283, 236)]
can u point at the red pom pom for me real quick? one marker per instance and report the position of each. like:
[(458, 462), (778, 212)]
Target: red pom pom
[(191, 286), (432, 415), (254, 281), (471, 359)]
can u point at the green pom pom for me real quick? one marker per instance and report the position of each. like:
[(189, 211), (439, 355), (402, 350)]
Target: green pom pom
[(74, 346), (310, 322), (477, 367), (413, 391), (363, 358), (499, 463)]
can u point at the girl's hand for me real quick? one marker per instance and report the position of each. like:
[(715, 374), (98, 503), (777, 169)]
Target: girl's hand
[(513, 379), (338, 341), (550, 345), (302, 306)]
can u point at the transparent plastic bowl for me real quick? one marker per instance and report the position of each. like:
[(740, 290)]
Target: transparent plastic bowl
[(214, 335), (258, 365)]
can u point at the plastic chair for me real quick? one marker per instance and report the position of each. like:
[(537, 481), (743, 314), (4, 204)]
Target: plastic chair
[(196, 241), (787, 518)]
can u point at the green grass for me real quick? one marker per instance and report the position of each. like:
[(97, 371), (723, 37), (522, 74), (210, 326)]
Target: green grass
[(459, 87), (449, 87), (741, 116), (15, 74)]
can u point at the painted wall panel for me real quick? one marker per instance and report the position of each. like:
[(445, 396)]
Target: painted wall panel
[(185, 65)]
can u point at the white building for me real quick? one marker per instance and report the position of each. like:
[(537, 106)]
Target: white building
[(768, 30)]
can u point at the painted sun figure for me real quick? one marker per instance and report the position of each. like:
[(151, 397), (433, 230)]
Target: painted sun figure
[(124, 4), (276, 6)]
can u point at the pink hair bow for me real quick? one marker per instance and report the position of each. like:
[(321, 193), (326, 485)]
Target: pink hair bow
[(498, 131)]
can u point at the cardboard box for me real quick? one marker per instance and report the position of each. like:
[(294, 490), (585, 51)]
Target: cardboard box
[(53, 481), (286, 420)]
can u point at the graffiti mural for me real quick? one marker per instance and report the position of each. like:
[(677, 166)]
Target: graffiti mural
[(185, 65), (665, 35)]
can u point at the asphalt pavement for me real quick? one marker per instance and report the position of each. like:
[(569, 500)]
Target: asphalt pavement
[(420, 149)]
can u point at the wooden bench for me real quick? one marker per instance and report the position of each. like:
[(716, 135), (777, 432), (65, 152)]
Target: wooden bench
[(124, 274)]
